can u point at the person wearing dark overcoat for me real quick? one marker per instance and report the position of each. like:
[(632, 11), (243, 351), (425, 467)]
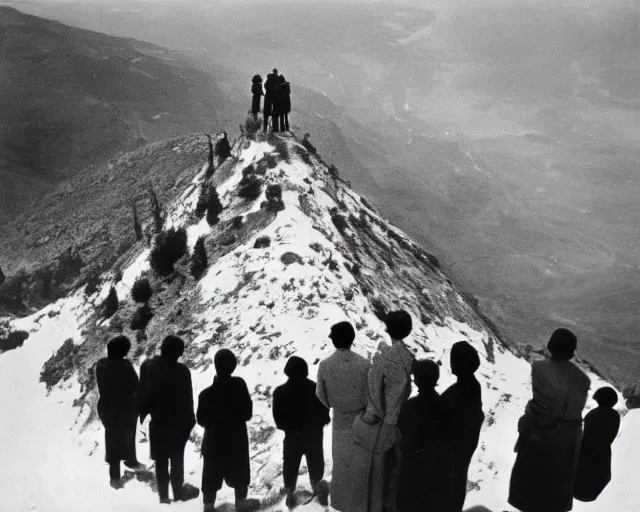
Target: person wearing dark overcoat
[(166, 394), (284, 103), (269, 84), (464, 403), (550, 431), (427, 458), (298, 412), (117, 408), (601, 427), (376, 459), (342, 386), (256, 90), (223, 410), (276, 109)]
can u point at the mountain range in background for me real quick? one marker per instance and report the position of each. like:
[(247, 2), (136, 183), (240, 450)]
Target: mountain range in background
[(501, 136)]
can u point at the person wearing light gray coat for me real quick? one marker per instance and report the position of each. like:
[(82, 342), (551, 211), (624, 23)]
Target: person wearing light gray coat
[(342, 386), (377, 454)]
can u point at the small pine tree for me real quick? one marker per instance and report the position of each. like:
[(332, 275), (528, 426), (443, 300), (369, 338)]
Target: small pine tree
[(169, 247), (214, 206), (92, 282), (2, 276), (223, 149), (141, 290), (136, 222), (156, 211), (209, 171), (199, 261), (110, 304)]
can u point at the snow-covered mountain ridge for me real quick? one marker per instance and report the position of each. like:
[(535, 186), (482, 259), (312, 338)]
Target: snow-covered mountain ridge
[(326, 257)]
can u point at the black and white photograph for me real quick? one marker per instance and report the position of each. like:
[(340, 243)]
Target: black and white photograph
[(319, 255)]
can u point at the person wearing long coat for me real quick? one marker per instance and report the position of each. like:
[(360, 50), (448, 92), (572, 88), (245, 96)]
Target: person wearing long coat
[(118, 408), (284, 103), (298, 412), (601, 427), (166, 394), (426, 470), (342, 386), (269, 84), (256, 91), (464, 403), (550, 431), (223, 410), (376, 457)]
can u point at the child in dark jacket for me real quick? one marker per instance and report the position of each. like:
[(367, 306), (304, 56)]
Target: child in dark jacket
[(298, 412), (600, 429), (223, 410)]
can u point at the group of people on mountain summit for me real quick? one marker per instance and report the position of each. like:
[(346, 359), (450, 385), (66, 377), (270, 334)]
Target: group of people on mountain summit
[(390, 452), (277, 101)]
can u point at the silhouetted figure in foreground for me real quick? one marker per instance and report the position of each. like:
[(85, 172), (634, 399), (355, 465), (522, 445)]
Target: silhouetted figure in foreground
[(167, 396), (427, 464), (282, 103), (256, 90), (118, 408), (550, 430), (223, 410), (342, 385), (601, 427), (464, 403), (298, 412), (269, 84), (377, 453)]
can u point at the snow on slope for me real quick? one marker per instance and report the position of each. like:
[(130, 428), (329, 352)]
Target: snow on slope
[(265, 304)]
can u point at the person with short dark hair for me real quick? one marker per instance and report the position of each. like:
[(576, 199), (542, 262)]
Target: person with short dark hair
[(342, 385), (427, 458), (550, 431), (117, 408), (463, 401), (269, 85), (298, 412), (377, 453), (256, 90), (223, 410), (601, 427), (166, 394)]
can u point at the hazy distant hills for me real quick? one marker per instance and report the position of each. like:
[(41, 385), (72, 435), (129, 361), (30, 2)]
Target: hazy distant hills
[(71, 97)]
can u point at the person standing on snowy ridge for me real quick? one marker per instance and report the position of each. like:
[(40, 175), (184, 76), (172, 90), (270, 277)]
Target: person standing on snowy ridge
[(601, 427), (464, 403), (117, 408), (342, 385), (550, 431), (284, 103), (427, 457), (269, 84), (256, 90), (297, 411), (377, 453), (223, 410), (166, 394)]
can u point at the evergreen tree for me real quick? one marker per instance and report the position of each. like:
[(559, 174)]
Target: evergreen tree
[(169, 247), (209, 171), (155, 210), (199, 261), (2, 276), (141, 290), (110, 304), (136, 222), (214, 206)]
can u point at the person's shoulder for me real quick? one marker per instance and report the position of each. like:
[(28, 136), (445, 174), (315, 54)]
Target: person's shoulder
[(239, 382), (205, 392)]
